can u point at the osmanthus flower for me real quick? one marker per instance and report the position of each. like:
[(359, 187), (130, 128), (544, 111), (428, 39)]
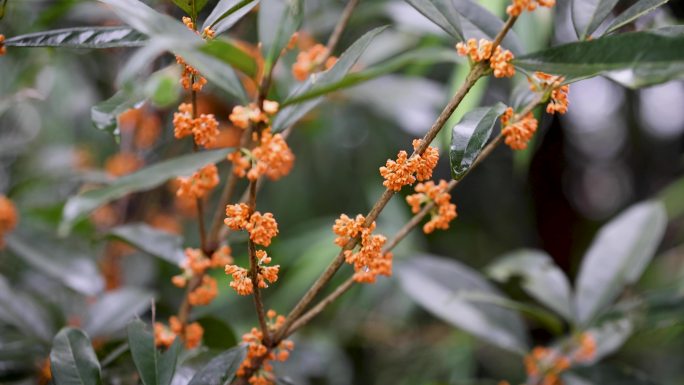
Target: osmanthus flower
[(258, 352), (204, 128), (191, 334), (122, 163), (405, 171), (443, 212), (545, 365), (499, 58), (518, 6), (204, 293), (262, 228), (3, 50), (196, 264), (558, 93), (308, 61), (190, 77), (8, 218), (272, 157), (199, 184), (368, 260), (518, 130), (242, 283), (243, 116)]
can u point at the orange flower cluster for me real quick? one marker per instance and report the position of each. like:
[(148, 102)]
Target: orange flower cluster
[(204, 129), (243, 284), (200, 183), (369, 261), (190, 78), (272, 157), (499, 58), (122, 163), (3, 50), (544, 365), (196, 264), (242, 116), (191, 333), (8, 218), (543, 82), (258, 352), (405, 171), (309, 60), (444, 211), (518, 6), (518, 130), (205, 293), (261, 227), (145, 124)]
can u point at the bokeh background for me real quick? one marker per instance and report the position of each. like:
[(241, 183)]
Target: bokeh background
[(615, 146)]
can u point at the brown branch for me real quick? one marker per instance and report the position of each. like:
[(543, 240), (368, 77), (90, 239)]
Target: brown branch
[(316, 310), (337, 32)]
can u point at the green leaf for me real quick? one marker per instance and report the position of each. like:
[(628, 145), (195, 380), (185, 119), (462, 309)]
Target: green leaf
[(610, 336), (434, 11), (227, 13), (421, 56), (217, 334), (470, 135), (217, 72), (73, 360), (587, 15), (617, 257), (70, 267), (278, 20), (640, 58), (540, 276), (437, 284), (114, 310), (191, 7), (158, 243), (150, 22), (105, 114), (221, 369), (289, 115), (231, 54), (24, 313), (634, 12), (80, 37), (148, 178), (154, 368)]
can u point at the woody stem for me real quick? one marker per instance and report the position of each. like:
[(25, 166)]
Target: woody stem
[(254, 271)]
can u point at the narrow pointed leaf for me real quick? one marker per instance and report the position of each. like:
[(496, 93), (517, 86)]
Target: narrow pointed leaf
[(106, 113), (115, 309), (634, 12), (148, 21), (540, 278), (470, 135), (289, 115), (227, 13), (221, 369), (158, 243), (433, 10), (619, 55), (73, 360), (278, 20), (154, 368), (231, 54), (617, 257), (436, 284), (191, 7), (81, 37), (587, 15), (148, 178)]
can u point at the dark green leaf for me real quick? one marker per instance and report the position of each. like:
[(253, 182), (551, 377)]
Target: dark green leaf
[(278, 20), (191, 7), (470, 135), (142, 180), (221, 369), (217, 334), (231, 54), (421, 56), (587, 15), (24, 313), (227, 13), (640, 58), (158, 243), (114, 310), (154, 368), (437, 283), (80, 37), (150, 22), (541, 278), (76, 271), (105, 114), (617, 256), (73, 360), (289, 115), (632, 13), (217, 72), (434, 10), (2, 9)]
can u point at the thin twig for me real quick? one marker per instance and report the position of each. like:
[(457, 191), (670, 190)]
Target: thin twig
[(337, 32), (314, 311)]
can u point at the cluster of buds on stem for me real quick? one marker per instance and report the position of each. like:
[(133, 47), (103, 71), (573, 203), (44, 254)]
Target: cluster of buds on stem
[(311, 60), (369, 260), (443, 212), (499, 59), (518, 6), (191, 334), (406, 170), (272, 157), (257, 365), (199, 184), (203, 128), (553, 89)]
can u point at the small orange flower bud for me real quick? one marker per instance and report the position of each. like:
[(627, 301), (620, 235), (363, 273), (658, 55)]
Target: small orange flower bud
[(518, 6), (499, 58), (237, 216), (262, 228), (200, 183), (444, 211), (205, 293), (8, 218), (3, 50), (518, 130), (369, 261)]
